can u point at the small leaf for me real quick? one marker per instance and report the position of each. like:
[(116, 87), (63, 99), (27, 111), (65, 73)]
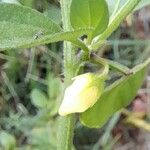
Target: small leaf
[(39, 99), (115, 97), (89, 13)]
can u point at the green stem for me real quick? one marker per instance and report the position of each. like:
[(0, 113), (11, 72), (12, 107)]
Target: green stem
[(114, 23), (65, 133), (66, 124), (113, 65)]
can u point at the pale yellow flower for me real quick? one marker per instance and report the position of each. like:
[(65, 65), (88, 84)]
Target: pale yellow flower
[(82, 94)]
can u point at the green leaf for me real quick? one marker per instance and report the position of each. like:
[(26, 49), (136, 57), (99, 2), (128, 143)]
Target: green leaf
[(38, 98), (54, 13), (115, 97), (89, 13), (22, 27), (21, 15)]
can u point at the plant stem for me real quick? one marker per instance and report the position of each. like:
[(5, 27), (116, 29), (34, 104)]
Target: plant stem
[(66, 124), (113, 65), (115, 22)]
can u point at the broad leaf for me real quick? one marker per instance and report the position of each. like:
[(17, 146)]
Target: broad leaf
[(54, 13), (89, 13), (18, 36), (115, 97), (22, 27), (17, 14)]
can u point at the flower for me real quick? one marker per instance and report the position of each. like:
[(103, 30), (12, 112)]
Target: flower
[(82, 94)]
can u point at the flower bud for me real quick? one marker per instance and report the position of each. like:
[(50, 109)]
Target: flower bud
[(82, 93)]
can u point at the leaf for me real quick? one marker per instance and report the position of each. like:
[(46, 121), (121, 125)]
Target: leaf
[(21, 15), (39, 99), (14, 39), (22, 27), (115, 97), (54, 13), (89, 13)]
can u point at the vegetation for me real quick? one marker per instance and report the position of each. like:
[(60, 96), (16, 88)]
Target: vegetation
[(57, 77)]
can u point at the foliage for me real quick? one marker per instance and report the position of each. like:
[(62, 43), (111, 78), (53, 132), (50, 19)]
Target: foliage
[(92, 21), (84, 14), (119, 94)]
